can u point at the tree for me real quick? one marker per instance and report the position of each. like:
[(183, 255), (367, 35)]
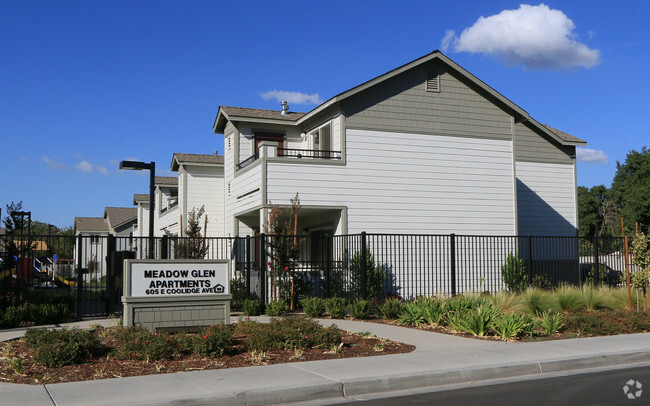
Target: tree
[(193, 245), (640, 250), (631, 189), (284, 246), (597, 212)]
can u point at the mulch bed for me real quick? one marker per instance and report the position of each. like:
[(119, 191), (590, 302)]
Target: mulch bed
[(103, 367)]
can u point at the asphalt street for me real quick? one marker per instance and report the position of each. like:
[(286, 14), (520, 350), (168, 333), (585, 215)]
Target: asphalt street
[(599, 388)]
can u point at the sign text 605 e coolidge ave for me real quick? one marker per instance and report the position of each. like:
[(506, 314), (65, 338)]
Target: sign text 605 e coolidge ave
[(174, 279)]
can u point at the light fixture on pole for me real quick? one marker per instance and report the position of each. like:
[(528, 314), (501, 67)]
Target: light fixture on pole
[(151, 167)]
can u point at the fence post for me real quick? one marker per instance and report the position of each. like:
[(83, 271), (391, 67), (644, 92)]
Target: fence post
[(364, 271), (529, 260), (80, 277), (596, 262), (110, 274), (164, 247), (452, 263), (328, 266), (247, 258), (263, 280)]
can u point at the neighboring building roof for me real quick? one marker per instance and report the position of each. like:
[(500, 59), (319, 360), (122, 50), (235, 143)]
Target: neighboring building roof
[(119, 215), (226, 113), (195, 159), (3, 231), (138, 198), (90, 224), (563, 135), (166, 181)]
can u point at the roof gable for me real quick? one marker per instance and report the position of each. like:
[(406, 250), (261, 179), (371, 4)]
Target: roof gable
[(118, 216), (179, 159)]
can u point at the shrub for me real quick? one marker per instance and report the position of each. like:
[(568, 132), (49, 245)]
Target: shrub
[(478, 321), (508, 326), (290, 332), (360, 309), (391, 308), (141, 344), (551, 322), (213, 341), (240, 293), (252, 307), (412, 314), (276, 308), (337, 307), (56, 348), (514, 273), (314, 306), (433, 310), (375, 275)]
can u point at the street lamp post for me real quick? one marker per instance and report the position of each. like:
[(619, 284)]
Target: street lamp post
[(151, 167)]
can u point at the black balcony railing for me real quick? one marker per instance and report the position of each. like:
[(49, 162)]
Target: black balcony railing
[(309, 153), (295, 153)]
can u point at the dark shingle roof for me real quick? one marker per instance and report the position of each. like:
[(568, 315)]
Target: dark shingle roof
[(199, 158), (166, 180), (88, 224), (138, 197), (564, 136), (120, 215), (259, 113)]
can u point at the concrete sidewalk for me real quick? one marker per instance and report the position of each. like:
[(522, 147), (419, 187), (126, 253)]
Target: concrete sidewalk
[(439, 360)]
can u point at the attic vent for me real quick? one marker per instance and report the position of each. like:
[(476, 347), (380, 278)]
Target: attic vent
[(228, 188), (433, 81)]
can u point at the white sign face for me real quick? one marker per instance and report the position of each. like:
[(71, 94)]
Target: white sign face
[(156, 279)]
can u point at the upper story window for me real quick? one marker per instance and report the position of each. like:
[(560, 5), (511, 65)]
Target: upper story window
[(321, 140)]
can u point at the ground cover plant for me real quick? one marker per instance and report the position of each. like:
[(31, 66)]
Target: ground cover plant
[(44, 356)]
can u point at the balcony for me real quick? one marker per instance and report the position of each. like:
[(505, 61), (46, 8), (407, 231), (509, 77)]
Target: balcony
[(294, 153)]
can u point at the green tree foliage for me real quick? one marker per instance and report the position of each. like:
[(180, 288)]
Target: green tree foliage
[(597, 214), (640, 249), (514, 273), (375, 276), (631, 189), (192, 245)]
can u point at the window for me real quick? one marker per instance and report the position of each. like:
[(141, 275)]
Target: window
[(433, 81), (94, 239), (322, 140)]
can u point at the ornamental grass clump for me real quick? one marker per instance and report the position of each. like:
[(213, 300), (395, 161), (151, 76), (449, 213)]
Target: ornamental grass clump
[(478, 321), (551, 322), (595, 297), (412, 314), (506, 301), (510, 325), (535, 301), (567, 298), (433, 311)]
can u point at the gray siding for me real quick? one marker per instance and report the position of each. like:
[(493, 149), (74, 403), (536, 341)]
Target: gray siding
[(402, 104), (533, 147)]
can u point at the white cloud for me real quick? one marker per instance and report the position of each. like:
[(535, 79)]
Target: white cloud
[(536, 37), (85, 166), (24, 159), (292, 97), (53, 163), (591, 156), (102, 169)]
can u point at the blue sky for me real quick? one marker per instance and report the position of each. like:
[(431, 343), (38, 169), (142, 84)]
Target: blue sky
[(85, 84)]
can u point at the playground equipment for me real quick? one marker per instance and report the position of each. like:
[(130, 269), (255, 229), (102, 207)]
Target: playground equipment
[(45, 271)]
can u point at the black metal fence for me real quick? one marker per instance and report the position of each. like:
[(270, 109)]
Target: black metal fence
[(88, 269)]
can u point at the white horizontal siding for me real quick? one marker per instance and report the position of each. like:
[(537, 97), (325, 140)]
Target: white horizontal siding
[(205, 187), (546, 199), (169, 221), (409, 183)]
